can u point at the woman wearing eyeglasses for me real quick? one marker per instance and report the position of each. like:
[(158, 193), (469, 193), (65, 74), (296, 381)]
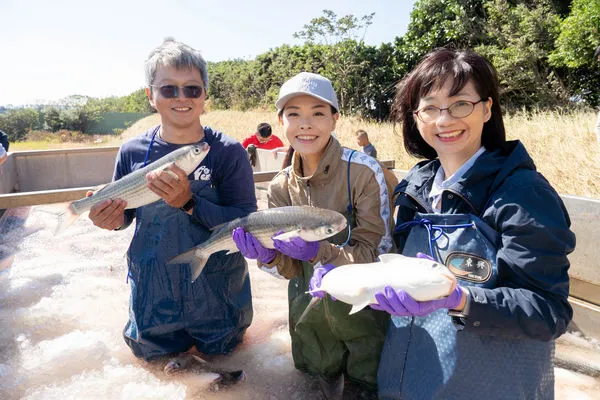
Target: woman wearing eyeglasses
[(477, 205), (168, 313)]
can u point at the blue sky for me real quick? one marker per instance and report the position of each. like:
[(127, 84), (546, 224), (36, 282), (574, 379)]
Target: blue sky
[(52, 49)]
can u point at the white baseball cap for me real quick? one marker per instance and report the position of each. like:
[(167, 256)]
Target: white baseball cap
[(307, 83)]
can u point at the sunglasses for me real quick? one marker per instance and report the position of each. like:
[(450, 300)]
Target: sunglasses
[(172, 91)]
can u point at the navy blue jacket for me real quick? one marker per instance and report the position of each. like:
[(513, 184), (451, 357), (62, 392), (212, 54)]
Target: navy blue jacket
[(504, 189)]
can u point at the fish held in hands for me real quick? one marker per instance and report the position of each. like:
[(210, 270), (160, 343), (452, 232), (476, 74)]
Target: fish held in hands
[(133, 188), (356, 284), (310, 223)]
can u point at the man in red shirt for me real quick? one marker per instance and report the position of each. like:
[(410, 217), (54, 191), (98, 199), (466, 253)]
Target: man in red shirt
[(262, 138)]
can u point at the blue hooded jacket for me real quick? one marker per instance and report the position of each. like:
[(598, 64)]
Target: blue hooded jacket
[(527, 303)]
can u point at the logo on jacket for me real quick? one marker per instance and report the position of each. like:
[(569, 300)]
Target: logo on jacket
[(202, 173), (469, 267)]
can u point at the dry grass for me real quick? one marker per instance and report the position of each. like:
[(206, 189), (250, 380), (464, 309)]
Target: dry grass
[(563, 146)]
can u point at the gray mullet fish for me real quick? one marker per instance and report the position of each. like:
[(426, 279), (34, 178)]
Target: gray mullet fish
[(309, 223), (133, 187)]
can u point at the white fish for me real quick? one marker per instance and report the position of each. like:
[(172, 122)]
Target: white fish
[(133, 187), (309, 223), (356, 284)]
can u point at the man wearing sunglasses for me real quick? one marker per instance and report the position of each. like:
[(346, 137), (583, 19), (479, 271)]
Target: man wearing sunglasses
[(169, 313)]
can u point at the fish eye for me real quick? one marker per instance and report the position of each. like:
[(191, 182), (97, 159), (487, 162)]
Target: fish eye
[(196, 150), (329, 230)]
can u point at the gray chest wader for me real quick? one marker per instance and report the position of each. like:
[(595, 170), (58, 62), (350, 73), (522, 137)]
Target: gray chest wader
[(432, 358)]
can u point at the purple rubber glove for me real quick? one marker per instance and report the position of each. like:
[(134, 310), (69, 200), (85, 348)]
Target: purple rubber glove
[(401, 304), (425, 256), (315, 281), (297, 248), (250, 247)]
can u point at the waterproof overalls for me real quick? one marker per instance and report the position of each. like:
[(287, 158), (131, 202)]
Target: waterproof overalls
[(168, 313), (435, 356), (328, 341)]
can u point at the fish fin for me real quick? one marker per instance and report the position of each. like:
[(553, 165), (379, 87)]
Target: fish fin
[(356, 308), (286, 236), (196, 259), (313, 303), (218, 227), (389, 257), (226, 379), (199, 359), (65, 219)]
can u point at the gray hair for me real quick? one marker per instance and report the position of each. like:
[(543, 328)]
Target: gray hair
[(178, 55)]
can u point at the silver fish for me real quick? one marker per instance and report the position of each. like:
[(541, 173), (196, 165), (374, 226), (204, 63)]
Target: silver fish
[(133, 187), (193, 363), (309, 223)]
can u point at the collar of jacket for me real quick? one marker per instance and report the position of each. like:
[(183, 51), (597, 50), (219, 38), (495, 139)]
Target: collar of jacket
[(476, 186), (330, 161)]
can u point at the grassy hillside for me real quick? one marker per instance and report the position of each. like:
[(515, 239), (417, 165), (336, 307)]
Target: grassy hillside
[(563, 146)]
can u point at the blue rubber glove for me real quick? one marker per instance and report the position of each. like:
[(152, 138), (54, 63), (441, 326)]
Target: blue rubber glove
[(315, 280), (297, 248), (401, 304), (250, 247)]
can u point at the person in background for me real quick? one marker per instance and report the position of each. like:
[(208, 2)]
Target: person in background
[(328, 342), (362, 138), (169, 313), (263, 138), (3, 147), (478, 205)]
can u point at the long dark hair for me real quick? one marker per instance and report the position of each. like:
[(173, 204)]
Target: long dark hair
[(430, 74)]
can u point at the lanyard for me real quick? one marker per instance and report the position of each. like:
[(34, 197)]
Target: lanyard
[(150, 146)]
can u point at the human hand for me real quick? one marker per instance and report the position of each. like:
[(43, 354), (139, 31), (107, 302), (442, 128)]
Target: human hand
[(108, 214), (250, 247), (315, 280), (171, 184), (297, 248), (401, 304)]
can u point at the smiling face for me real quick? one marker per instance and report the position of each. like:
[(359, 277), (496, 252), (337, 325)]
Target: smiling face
[(454, 139), (178, 113), (308, 123)]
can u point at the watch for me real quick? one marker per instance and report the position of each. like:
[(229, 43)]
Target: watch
[(188, 205)]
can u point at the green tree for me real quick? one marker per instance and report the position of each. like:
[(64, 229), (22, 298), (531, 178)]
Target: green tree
[(18, 122), (518, 41), (53, 120), (329, 29), (579, 36)]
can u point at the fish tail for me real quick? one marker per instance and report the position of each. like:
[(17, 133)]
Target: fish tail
[(65, 219), (195, 258), (313, 303)]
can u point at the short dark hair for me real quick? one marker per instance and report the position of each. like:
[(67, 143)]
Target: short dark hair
[(264, 129), (431, 73), (597, 52)]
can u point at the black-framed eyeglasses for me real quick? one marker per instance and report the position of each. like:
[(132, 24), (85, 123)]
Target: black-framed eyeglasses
[(460, 109), (172, 91)]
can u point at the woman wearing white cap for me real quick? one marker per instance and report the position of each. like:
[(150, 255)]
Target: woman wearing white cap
[(327, 342)]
